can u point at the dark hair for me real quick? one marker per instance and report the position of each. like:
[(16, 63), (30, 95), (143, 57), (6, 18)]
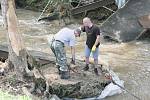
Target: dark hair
[(78, 31)]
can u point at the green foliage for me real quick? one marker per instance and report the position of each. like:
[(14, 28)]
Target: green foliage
[(7, 96)]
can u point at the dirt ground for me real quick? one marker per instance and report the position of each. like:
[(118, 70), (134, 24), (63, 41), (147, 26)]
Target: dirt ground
[(82, 84)]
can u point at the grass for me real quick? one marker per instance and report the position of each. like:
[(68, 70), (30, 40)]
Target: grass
[(7, 96)]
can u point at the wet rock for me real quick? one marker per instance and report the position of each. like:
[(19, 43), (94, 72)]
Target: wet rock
[(3, 68), (54, 97)]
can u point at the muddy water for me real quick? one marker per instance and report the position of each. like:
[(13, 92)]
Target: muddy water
[(131, 61)]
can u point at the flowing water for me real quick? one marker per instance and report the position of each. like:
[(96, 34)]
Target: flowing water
[(131, 61)]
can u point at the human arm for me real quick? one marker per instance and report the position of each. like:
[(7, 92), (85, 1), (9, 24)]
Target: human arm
[(72, 47), (97, 41), (73, 54)]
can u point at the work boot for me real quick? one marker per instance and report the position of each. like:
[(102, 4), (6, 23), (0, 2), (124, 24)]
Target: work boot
[(96, 71), (86, 68), (65, 75)]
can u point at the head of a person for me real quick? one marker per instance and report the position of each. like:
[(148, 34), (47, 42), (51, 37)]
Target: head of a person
[(77, 32), (87, 22)]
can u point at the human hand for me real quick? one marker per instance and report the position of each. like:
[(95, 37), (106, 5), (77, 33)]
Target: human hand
[(93, 48)]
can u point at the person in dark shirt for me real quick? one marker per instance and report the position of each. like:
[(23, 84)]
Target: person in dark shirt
[(92, 42)]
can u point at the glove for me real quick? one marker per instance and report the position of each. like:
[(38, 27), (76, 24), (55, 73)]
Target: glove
[(72, 61), (93, 48)]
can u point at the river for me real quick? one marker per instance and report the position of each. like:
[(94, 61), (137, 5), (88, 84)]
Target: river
[(131, 61)]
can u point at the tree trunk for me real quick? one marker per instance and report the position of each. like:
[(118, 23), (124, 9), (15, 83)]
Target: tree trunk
[(4, 7), (18, 56), (17, 51)]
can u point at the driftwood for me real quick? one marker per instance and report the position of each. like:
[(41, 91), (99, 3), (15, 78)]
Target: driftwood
[(91, 6)]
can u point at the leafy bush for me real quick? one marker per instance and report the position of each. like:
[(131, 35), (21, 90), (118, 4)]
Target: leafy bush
[(7, 96)]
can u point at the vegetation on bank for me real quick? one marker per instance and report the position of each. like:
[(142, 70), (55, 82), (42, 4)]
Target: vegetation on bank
[(7, 96), (59, 5), (38, 5)]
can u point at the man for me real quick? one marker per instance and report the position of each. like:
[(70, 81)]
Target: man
[(92, 42), (65, 37)]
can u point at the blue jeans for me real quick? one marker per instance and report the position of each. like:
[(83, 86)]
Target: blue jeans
[(88, 52)]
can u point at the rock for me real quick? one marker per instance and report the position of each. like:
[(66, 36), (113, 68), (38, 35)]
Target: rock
[(2, 72), (81, 84), (3, 68), (54, 97)]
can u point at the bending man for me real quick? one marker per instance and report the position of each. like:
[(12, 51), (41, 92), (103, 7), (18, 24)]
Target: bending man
[(65, 37)]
